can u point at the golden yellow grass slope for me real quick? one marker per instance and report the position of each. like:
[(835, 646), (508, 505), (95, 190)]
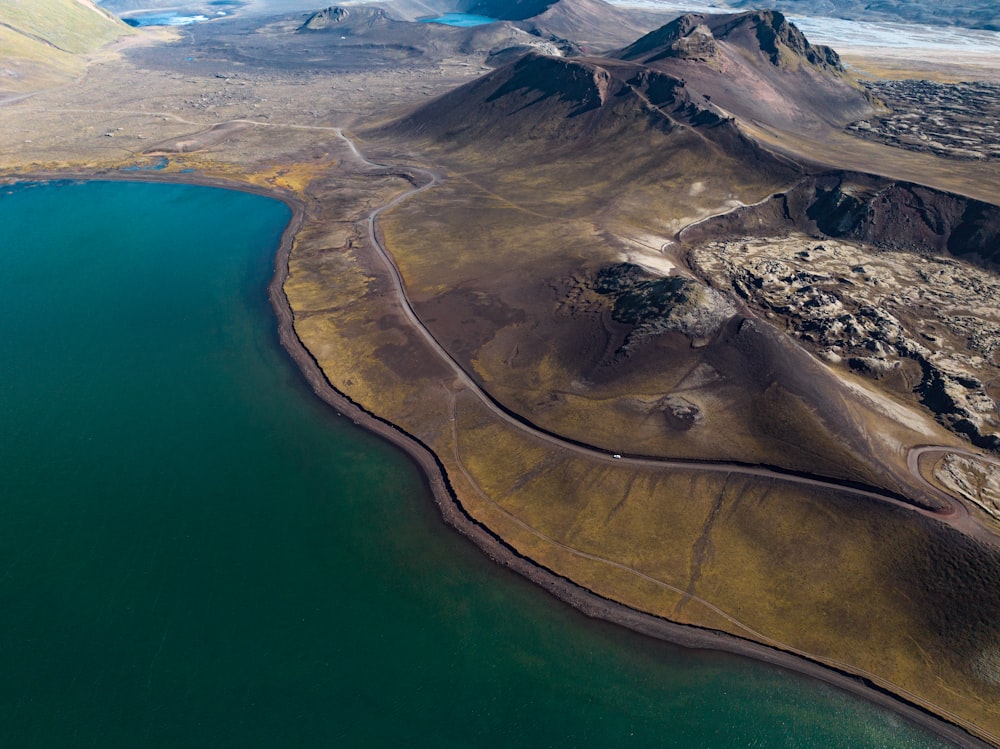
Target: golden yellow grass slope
[(43, 41)]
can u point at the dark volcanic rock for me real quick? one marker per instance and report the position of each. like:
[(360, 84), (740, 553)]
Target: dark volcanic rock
[(954, 120), (639, 298), (324, 19), (654, 305), (775, 34), (874, 210), (905, 216), (663, 41), (758, 66), (681, 413), (935, 393), (694, 36)]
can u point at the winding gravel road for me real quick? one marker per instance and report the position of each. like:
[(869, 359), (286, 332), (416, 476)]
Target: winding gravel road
[(954, 512)]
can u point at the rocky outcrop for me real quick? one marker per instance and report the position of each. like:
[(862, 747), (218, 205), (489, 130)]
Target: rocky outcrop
[(666, 41), (923, 325), (783, 42), (975, 479), (324, 19), (655, 305), (695, 36), (904, 216), (880, 212), (336, 18), (757, 66)]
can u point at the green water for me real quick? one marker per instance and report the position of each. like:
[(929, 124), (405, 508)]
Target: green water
[(195, 553)]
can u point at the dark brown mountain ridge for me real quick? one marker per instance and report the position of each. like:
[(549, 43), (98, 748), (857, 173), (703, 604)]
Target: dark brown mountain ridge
[(771, 31), (577, 103), (590, 25), (697, 71), (758, 66)]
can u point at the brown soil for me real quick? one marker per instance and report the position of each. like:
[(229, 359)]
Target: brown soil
[(580, 598)]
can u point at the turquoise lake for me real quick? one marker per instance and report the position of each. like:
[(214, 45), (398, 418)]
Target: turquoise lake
[(194, 552), (169, 18), (462, 20)]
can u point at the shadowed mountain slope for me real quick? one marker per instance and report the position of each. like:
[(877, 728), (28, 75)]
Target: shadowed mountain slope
[(550, 105), (757, 66), (880, 212)]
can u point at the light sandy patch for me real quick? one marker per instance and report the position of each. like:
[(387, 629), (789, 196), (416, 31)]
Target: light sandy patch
[(646, 251), (652, 262), (905, 415), (697, 188)]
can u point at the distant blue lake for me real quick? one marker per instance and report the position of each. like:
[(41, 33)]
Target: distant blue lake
[(170, 18), (464, 20)]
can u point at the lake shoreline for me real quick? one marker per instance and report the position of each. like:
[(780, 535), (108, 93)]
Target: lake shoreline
[(454, 514)]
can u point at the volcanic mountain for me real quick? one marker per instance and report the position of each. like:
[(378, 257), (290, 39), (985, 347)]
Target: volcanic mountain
[(701, 72), (568, 170), (757, 66), (550, 106)]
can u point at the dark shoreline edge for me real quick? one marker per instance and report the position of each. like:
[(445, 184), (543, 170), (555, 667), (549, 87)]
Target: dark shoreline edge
[(455, 515)]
